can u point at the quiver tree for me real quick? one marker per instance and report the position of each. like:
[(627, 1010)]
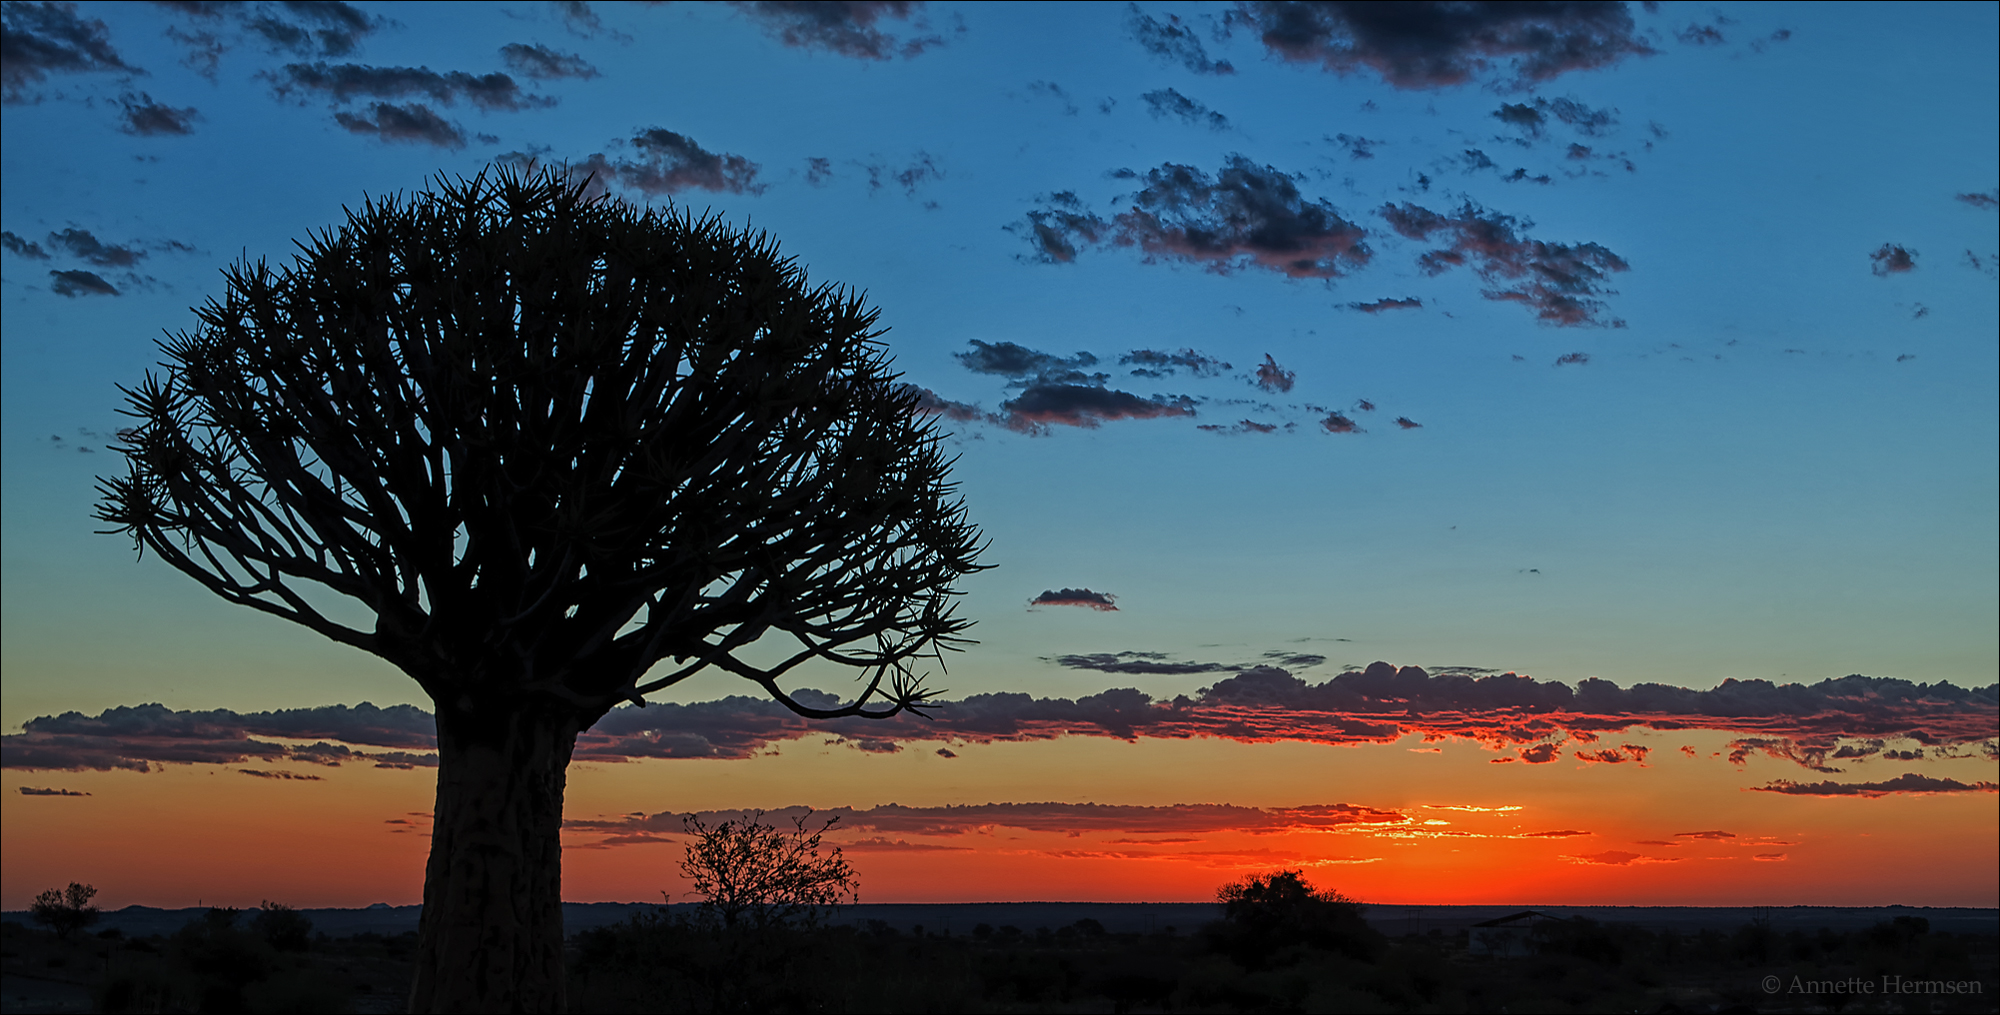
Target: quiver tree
[(567, 452)]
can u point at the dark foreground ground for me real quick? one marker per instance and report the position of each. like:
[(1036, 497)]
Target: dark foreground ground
[(657, 960)]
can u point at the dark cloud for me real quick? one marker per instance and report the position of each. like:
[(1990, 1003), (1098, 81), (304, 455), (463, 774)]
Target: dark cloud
[(1167, 102), (921, 170), (311, 27), (930, 403), (1010, 360), (1357, 147), (1713, 834), (33, 791), (1146, 663), (266, 773), (1533, 115), (146, 118), (1155, 363), (1060, 228), (1613, 756), (204, 50), (80, 283), (1054, 91), (344, 82), (414, 123), (1521, 114), (79, 243), (581, 20), (1572, 359), (1337, 423), (1435, 45), (1985, 202), (1174, 41), (137, 738), (847, 28), (1407, 303), (1408, 424), (1246, 215), (1560, 282), (1045, 403), (1242, 426), (668, 163), (1379, 704), (24, 247), (1274, 378), (1908, 782), (1618, 858), (1891, 258), (1064, 818), (542, 63), (1562, 834), (946, 752), (1988, 265), (1700, 35), (1076, 597), (818, 171), (39, 39)]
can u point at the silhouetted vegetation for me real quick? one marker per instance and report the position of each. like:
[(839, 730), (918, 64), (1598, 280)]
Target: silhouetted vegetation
[(65, 910), (744, 869), (656, 962)]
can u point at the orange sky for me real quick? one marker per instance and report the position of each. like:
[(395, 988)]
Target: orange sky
[(1441, 828)]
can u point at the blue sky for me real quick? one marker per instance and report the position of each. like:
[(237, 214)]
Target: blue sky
[(1780, 466)]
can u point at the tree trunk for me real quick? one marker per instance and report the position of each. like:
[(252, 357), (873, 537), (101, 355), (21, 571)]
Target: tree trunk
[(491, 937)]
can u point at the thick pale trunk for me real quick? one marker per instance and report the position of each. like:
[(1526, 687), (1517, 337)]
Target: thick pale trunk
[(491, 937)]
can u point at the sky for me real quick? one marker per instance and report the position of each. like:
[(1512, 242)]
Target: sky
[(1480, 456)]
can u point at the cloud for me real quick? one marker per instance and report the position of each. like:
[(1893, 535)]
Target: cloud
[(1533, 115), (24, 247), (946, 752), (1710, 835), (263, 773), (1157, 363), (1572, 359), (1054, 91), (1559, 282), (137, 738), (344, 82), (1891, 258), (146, 118), (1174, 41), (1619, 858), (1043, 404), (1984, 202), (33, 791), (1358, 147), (80, 283), (846, 29), (414, 123), (1051, 817), (668, 163), (542, 63), (1274, 378), (1243, 426), (1246, 216), (930, 403), (81, 244), (818, 170), (1563, 834), (1439, 45), (39, 39), (921, 170), (1148, 663), (1167, 102), (1011, 360), (1408, 424), (325, 28), (1060, 228), (1700, 35), (1380, 704), (1908, 782), (1100, 601), (1407, 303)]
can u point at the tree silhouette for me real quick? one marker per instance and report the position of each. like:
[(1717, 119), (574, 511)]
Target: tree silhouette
[(547, 441), (65, 910), (746, 868)]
